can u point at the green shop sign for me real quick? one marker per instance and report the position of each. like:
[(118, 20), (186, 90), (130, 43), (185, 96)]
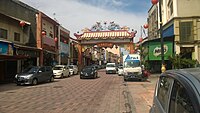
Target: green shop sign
[(155, 50)]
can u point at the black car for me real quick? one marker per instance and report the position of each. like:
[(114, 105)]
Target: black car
[(177, 91), (88, 72)]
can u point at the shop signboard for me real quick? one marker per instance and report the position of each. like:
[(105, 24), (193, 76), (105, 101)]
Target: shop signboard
[(64, 49), (6, 48), (155, 50)]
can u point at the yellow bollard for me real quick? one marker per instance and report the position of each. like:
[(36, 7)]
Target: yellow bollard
[(163, 69)]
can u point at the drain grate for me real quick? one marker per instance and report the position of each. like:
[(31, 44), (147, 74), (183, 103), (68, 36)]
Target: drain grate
[(11, 92), (57, 86)]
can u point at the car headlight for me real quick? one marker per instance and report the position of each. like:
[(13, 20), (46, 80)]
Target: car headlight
[(16, 75), (81, 72), (59, 72), (92, 72), (28, 76), (139, 73), (125, 73)]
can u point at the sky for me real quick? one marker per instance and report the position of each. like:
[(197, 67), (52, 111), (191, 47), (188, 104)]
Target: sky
[(76, 15)]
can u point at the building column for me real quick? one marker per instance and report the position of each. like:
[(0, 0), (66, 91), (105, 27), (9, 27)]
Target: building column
[(131, 48), (177, 49), (39, 37), (196, 52), (80, 64)]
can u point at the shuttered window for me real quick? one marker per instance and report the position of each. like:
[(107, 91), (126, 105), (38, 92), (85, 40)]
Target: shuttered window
[(186, 34)]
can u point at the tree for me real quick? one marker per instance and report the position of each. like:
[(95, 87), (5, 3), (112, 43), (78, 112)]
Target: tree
[(178, 62)]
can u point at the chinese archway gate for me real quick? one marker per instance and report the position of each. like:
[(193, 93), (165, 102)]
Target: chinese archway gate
[(103, 37)]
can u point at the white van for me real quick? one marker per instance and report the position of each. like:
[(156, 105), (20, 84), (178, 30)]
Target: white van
[(111, 68)]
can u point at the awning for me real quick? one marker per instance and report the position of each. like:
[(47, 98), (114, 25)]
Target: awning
[(6, 41), (106, 34), (49, 51), (26, 47), (14, 57), (169, 31), (18, 19)]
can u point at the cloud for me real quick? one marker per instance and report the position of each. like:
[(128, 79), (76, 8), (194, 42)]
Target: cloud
[(76, 15)]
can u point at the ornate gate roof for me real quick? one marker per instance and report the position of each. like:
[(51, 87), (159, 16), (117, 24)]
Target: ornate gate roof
[(120, 34), (107, 31)]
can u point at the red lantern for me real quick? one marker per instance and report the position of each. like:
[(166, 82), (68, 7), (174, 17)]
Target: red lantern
[(55, 39), (154, 2), (140, 39), (65, 41), (43, 33), (22, 23), (146, 26)]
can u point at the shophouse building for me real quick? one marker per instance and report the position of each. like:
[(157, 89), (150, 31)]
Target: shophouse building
[(47, 39), (18, 42), (181, 30), (64, 46)]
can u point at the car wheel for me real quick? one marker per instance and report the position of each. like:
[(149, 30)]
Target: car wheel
[(35, 81), (51, 79), (61, 76)]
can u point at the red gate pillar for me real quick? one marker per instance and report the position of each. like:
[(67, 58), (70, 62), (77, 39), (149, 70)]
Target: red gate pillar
[(131, 48), (80, 64)]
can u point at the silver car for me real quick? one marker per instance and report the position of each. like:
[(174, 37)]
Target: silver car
[(35, 75), (177, 91), (73, 69)]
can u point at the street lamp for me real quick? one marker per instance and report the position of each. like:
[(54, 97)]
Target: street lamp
[(161, 37)]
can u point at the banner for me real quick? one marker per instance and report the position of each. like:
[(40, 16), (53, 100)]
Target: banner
[(6, 48), (155, 50)]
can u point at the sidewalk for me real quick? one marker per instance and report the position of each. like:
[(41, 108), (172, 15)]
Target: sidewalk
[(142, 94)]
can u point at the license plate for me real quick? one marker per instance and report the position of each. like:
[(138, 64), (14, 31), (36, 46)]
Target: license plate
[(132, 76)]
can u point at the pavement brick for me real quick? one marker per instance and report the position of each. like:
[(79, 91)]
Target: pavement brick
[(107, 94)]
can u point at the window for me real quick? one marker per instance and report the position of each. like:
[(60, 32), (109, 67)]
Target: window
[(186, 33), (48, 68), (16, 37), (3, 33), (163, 90), (42, 69), (180, 101), (171, 8)]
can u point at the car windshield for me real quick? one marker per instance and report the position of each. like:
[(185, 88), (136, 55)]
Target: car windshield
[(31, 70), (129, 64), (71, 67), (87, 68), (110, 65), (120, 67), (58, 68)]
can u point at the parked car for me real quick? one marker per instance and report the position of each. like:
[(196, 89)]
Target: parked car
[(111, 68), (60, 71), (73, 69), (177, 91), (35, 75), (120, 70), (96, 66), (88, 72)]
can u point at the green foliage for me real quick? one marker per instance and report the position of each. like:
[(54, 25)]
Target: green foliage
[(179, 63)]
